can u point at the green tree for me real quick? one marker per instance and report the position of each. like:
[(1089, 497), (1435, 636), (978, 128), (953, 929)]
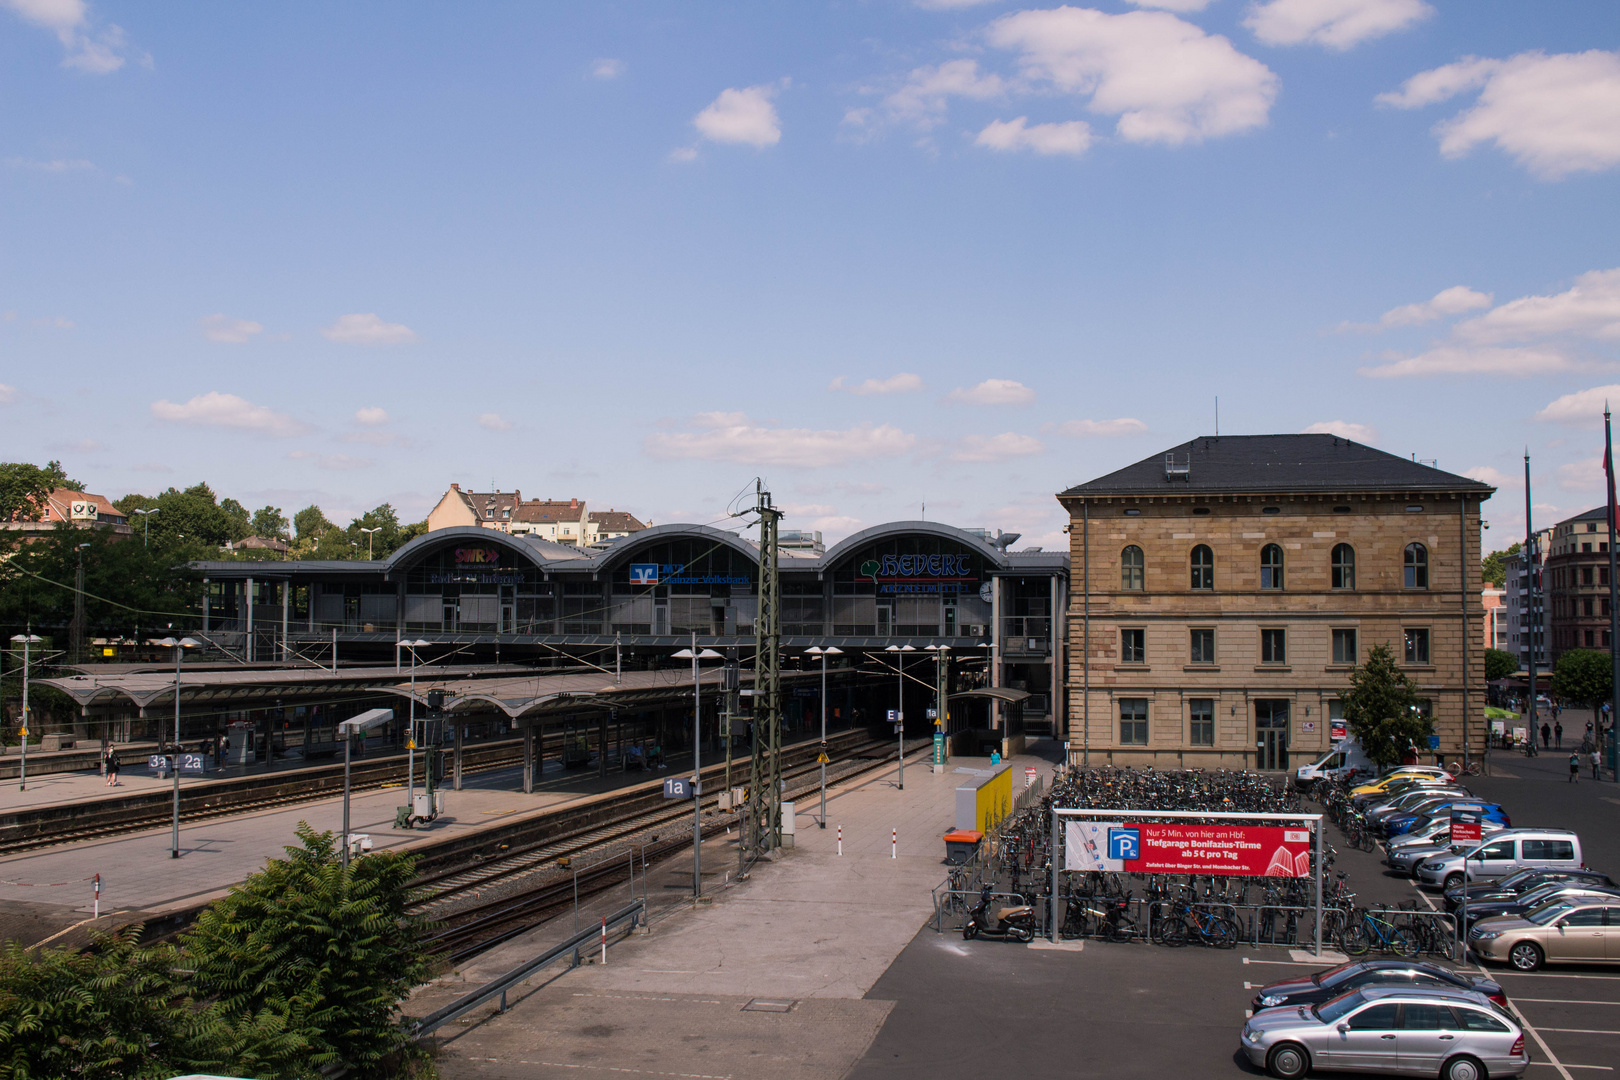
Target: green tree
[(1382, 709), (194, 514), (24, 489), (269, 522), (1493, 568), (1499, 664), (1585, 676), (241, 522), (334, 952)]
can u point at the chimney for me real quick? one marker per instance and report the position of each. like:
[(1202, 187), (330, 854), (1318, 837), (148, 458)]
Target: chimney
[(573, 504), (455, 487)]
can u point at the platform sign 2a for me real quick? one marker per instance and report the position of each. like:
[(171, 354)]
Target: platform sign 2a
[(1163, 848), (1467, 823)]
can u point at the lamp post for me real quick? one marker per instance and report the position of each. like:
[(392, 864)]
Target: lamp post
[(697, 767), (900, 703), (357, 725), (942, 661), (146, 525), (369, 533), (831, 650), (25, 639), (410, 738), (179, 645)]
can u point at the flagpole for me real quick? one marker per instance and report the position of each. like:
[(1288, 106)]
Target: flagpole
[(1614, 585)]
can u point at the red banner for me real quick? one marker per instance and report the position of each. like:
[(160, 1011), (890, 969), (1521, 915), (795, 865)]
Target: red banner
[(1248, 850)]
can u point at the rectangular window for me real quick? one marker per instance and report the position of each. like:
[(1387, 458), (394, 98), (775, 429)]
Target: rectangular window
[(1203, 646), (1417, 646), (1133, 721), (1133, 646), (1586, 606), (1586, 575), (1588, 639), (1548, 850), (1202, 712), (1344, 646), (1273, 646)]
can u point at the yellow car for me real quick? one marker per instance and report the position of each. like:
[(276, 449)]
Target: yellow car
[(1430, 773)]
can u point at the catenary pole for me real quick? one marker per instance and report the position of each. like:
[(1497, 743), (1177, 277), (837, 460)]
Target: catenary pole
[(1614, 586), (1530, 592), (1463, 574), (1085, 638)]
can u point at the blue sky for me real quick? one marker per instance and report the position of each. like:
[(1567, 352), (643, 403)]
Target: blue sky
[(881, 253)]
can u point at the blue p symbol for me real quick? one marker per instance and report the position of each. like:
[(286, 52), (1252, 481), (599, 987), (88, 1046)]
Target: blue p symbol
[(1124, 844)]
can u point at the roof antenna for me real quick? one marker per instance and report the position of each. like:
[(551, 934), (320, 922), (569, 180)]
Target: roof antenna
[(1217, 416)]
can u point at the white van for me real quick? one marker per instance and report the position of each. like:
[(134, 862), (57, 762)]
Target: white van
[(1345, 756)]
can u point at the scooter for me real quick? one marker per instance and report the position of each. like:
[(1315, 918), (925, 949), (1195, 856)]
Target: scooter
[(1015, 923)]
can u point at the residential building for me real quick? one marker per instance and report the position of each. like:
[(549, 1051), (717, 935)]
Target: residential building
[(1227, 588), (1496, 623), (1526, 607), (558, 522), (489, 510), (78, 508), (611, 525), (1577, 579)]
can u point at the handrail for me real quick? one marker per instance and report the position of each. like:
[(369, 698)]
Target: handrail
[(468, 1002)]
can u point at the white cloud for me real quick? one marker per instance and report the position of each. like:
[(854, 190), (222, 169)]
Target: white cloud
[(1344, 429), (1099, 429), (1584, 408), (894, 384), (215, 409), (1069, 137), (750, 444), (1582, 475), (924, 97), (808, 509), (1336, 24), (79, 446), (742, 116), (683, 154), (335, 462), (950, 5), (1494, 477), (8, 394), (1452, 301), (368, 329), (1554, 115), (375, 438), (493, 422), (993, 392), (607, 69), (1464, 360), (96, 51), (226, 329), (55, 322), (371, 416), (1589, 309), (55, 165), (1185, 7), (1008, 444), (1167, 80)]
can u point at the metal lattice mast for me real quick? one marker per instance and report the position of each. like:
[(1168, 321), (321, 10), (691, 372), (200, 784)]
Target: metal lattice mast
[(765, 787)]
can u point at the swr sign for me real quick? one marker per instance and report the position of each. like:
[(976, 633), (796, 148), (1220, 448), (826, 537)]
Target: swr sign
[(477, 556), (1155, 848)]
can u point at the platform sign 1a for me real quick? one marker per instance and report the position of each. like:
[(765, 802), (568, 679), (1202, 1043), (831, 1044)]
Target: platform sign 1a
[(678, 787), (1467, 823)]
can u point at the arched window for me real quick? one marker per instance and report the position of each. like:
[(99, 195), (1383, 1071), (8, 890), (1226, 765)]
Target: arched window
[(1132, 566), (1344, 566), (1271, 567), (1203, 567), (1417, 566)]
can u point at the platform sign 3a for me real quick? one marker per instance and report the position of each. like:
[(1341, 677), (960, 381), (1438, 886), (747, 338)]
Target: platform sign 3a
[(1159, 848)]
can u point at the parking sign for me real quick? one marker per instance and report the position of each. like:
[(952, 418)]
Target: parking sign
[(1124, 843)]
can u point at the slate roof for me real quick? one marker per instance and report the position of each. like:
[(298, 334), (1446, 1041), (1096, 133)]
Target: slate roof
[(1597, 513), (1266, 464), (545, 511), (616, 521)]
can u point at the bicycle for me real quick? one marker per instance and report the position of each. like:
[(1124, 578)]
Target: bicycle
[(1207, 928), (1457, 768), (1365, 930)]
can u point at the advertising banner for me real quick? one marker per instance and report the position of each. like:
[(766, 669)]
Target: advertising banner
[(1467, 823), (1163, 848)]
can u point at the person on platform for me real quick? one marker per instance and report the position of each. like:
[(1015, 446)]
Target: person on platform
[(1558, 733), (1595, 761), (1546, 735), (112, 767), (1574, 768)]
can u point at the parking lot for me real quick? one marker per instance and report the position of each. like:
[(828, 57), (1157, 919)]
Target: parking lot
[(969, 1009)]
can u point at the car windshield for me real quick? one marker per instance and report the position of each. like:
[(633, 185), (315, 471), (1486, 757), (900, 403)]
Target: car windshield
[(1546, 913), (1541, 894), (1329, 1011), (1336, 974), (1523, 879)]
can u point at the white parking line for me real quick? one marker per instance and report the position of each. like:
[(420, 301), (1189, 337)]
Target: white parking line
[(1552, 1058), (1554, 975), (1547, 1001), (1287, 963), (1549, 1065), (1584, 1031)]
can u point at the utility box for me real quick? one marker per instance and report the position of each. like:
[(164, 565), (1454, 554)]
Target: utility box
[(239, 744), (961, 845), (790, 824), (982, 802)]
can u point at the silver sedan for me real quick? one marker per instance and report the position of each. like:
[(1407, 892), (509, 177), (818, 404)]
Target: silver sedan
[(1452, 1034)]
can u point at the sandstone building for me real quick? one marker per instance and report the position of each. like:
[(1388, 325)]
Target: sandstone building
[(1224, 590)]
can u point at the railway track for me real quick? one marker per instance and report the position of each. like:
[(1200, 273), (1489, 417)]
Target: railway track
[(637, 838)]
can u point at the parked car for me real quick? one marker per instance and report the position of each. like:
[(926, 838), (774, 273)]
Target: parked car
[(1562, 932), (1502, 854), (1524, 881), (1493, 812), (1404, 858), (1345, 759), (1535, 898), (1331, 982), (1388, 789), (1453, 1034), (1413, 801)]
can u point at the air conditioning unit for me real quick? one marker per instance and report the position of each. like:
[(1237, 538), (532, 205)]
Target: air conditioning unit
[(82, 510), (1036, 645)]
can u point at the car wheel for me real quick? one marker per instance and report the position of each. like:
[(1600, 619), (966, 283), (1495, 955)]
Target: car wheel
[(1453, 881), (1463, 1068), (1526, 956), (1288, 1061)]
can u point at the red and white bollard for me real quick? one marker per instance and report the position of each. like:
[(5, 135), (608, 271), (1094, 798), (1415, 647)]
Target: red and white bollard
[(840, 839), (604, 939), (98, 896), (894, 843)]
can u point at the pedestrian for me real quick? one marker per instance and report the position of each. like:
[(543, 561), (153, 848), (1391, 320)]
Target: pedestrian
[(1574, 768), (1546, 735), (1595, 760), (106, 772), (112, 767), (1558, 734)]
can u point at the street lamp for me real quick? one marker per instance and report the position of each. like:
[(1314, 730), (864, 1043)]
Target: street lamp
[(697, 767), (900, 703), (357, 725), (368, 533), (410, 739), (942, 661), (146, 525), (179, 646), (25, 639), (831, 650)]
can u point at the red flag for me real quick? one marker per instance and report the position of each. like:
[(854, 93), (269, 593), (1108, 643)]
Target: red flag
[(1608, 468)]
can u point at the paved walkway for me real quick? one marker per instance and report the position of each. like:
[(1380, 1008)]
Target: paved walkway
[(814, 928)]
